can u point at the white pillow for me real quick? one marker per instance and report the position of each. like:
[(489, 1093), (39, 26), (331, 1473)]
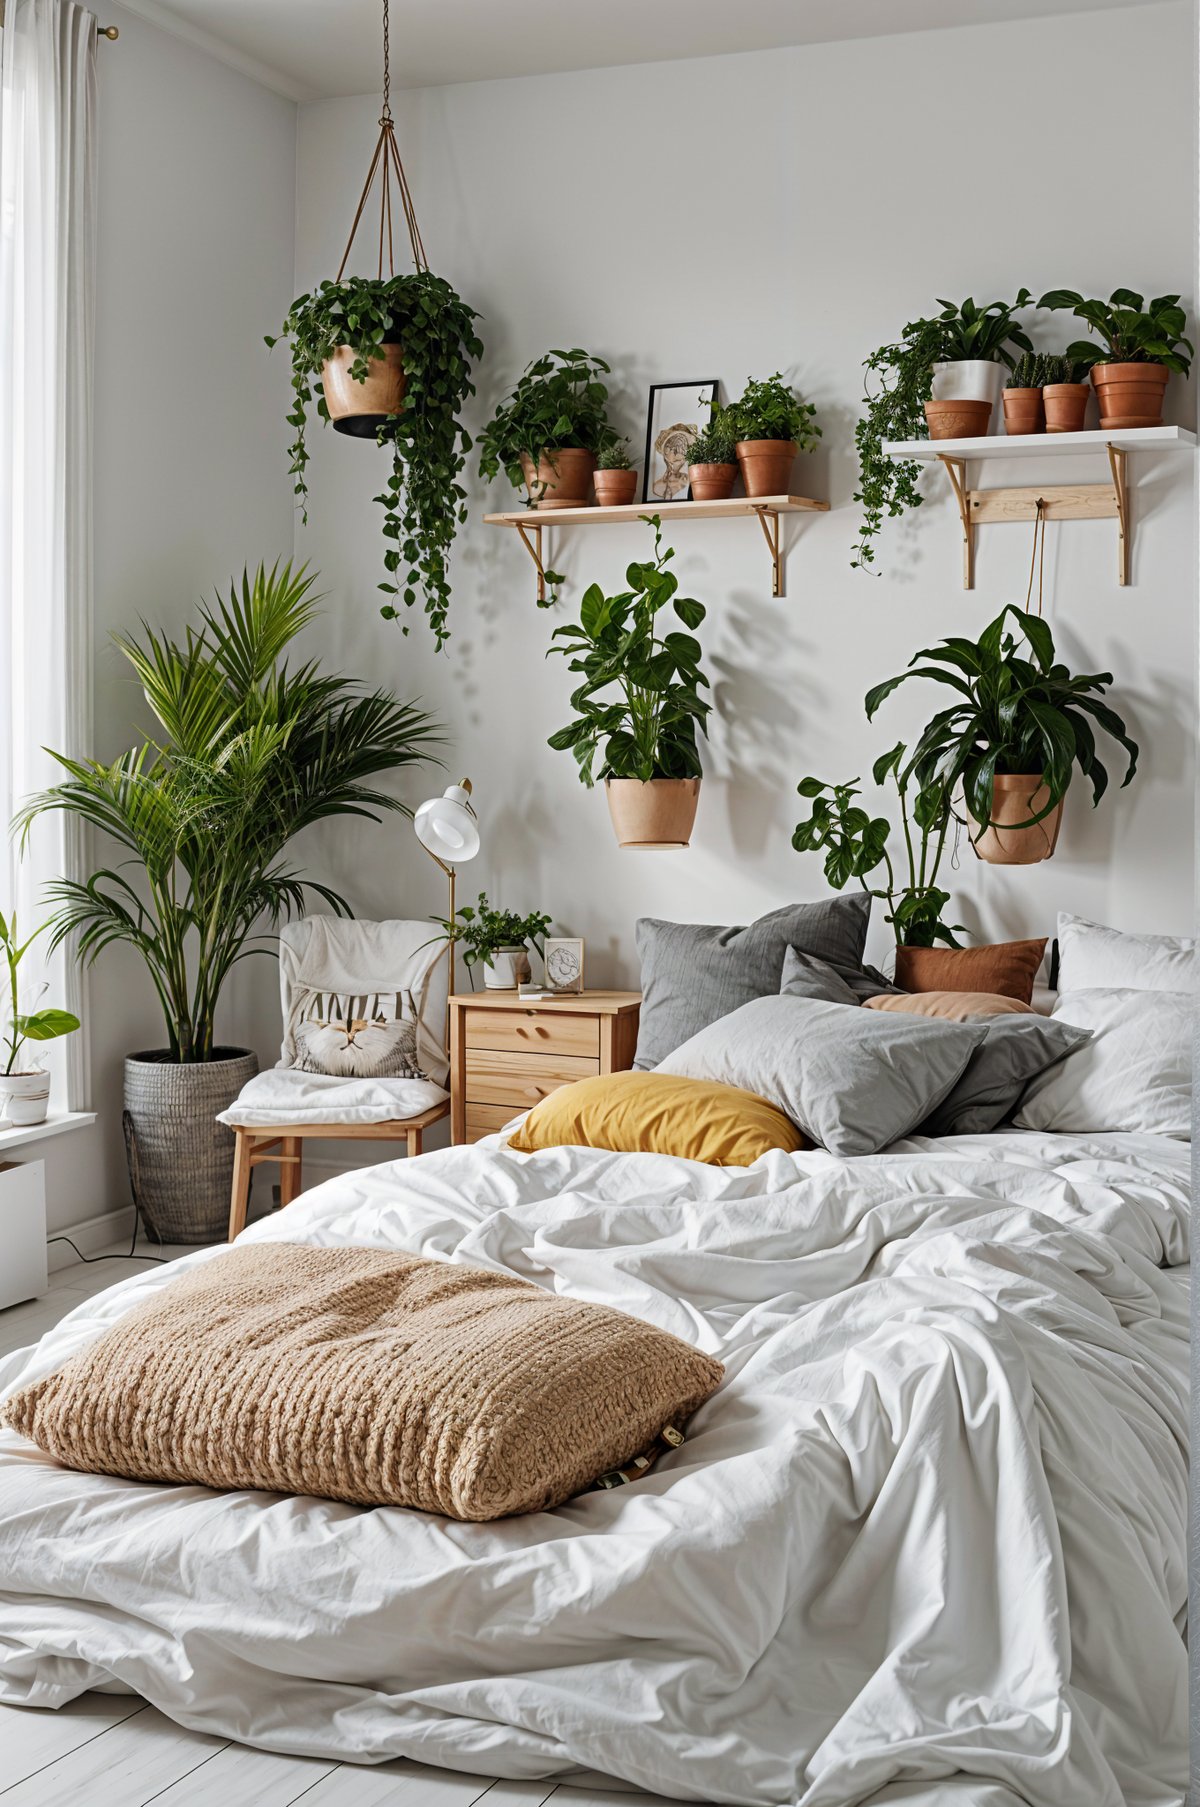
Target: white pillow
[(1090, 956), (1135, 1073)]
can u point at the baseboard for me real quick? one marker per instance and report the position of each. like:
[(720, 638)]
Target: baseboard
[(89, 1237)]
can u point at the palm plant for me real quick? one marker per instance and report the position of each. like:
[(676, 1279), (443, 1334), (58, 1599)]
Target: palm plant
[(252, 750)]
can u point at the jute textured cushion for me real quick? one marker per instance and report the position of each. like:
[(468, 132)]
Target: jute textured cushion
[(367, 1376)]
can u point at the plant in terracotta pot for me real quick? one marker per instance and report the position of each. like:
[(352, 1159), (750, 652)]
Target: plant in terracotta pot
[(770, 425), (389, 359), (638, 707), (1145, 342), (1065, 392), (497, 940), (549, 431), (712, 466), (1012, 739), (24, 1086), (615, 478), (1024, 411)]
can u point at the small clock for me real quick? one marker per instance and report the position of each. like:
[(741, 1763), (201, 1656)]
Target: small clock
[(564, 964)]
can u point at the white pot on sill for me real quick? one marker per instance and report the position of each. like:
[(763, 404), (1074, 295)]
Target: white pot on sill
[(25, 1097), (509, 967), (969, 380)]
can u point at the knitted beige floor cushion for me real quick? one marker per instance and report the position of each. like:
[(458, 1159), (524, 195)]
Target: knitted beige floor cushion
[(362, 1375)]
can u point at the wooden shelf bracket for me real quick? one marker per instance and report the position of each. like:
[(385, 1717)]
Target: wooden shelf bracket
[(534, 548), (1116, 460), (1052, 501), (771, 535), (956, 470)]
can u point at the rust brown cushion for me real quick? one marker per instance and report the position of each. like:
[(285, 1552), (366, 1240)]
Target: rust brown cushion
[(950, 1006), (1007, 968), (367, 1376)]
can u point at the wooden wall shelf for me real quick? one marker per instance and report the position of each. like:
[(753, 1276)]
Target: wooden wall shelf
[(1057, 501), (531, 523)]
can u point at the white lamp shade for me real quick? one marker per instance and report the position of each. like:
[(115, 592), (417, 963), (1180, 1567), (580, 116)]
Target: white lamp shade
[(447, 825)]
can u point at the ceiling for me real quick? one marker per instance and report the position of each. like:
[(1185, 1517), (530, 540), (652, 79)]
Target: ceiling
[(315, 48)]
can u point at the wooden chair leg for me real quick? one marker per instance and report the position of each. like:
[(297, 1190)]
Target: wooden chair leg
[(289, 1170), (240, 1201), (412, 1138)]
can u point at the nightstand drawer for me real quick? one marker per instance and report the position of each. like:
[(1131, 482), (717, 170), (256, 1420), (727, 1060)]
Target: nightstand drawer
[(521, 1080), (538, 1032), (485, 1119)]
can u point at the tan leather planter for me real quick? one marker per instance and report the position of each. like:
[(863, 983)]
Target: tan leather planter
[(614, 489), (711, 482), (766, 465), (1130, 395), (957, 420), (1023, 411), (1066, 406), (658, 813), (562, 479), (1009, 843), (362, 408)]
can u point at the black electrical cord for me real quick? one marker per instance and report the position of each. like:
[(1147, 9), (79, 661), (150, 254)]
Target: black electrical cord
[(159, 1260)]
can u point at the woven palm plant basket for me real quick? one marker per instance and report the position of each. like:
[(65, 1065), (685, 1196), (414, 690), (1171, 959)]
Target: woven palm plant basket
[(180, 1157)]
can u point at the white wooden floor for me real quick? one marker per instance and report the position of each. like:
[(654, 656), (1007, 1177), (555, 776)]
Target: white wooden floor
[(110, 1751)]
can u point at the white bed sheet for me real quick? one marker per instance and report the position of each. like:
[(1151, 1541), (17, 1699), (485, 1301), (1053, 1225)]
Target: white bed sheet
[(926, 1545)]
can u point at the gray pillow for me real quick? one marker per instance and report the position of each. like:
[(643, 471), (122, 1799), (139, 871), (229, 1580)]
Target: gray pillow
[(1015, 1050), (853, 1080), (804, 976), (694, 973)]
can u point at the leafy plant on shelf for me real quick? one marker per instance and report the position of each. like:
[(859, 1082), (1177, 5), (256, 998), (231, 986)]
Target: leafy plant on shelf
[(639, 706), (423, 500), (1019, 710), (855, 845), (615, 457), (1132, 330), (480, 931), (715, 443), (770, 409), (899, 382), (560, 401), (44, 1025)]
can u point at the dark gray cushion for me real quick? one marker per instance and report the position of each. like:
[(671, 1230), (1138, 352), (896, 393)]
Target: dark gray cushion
[(693, 973), (853, 1080), (1016, 1049), (804, 976)]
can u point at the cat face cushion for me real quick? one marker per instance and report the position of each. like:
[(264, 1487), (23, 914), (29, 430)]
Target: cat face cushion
[(356, 1038)]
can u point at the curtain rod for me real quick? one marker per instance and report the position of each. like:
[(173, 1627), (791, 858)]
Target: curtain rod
[(108, 31)]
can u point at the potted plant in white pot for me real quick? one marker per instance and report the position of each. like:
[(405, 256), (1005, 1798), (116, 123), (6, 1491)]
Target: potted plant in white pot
[(1145, 343), (497, 940), (638, 708), (252, 748), (25, 1087), (549, 431), (974, 356)]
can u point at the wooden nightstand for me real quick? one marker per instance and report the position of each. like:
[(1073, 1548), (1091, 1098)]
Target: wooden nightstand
[(506, 1052)]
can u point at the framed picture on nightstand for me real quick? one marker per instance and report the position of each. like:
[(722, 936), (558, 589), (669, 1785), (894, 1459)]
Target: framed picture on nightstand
[(564, 964)]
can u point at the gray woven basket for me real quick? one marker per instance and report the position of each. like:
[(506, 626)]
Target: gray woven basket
[(180, 1157)]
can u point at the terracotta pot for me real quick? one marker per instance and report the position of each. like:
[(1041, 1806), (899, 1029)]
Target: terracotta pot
[(615, 489), (562, 479), (1023, 411), (766, 465), (1014, 801), (711, 482), (958, 420), (362, 408), (1130, 395), (657, 813), (1066, 406)]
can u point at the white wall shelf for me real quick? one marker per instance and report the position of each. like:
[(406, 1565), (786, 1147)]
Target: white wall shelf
[(531, 523), (1054, 501)]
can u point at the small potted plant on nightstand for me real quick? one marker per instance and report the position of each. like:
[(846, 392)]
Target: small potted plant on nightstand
[(712, 467), (497, 940), (615, 478), (25, 1089), (770, 426), (550, 430)]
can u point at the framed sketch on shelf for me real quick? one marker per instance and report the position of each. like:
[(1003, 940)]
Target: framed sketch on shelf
[(676, 414), (564, 964)]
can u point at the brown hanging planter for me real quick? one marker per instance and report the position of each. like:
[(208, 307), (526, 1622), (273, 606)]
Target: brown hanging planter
[(362, 408), (1012, 838)]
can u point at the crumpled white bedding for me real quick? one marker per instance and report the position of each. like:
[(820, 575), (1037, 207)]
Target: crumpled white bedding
[(926, 1544)]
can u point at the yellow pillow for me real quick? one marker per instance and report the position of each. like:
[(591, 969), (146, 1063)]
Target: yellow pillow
[(659, 1113)]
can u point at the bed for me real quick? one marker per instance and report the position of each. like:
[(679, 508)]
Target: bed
[(926, 1545)]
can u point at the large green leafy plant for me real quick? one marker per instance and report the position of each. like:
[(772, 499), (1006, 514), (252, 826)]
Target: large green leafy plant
[(1018, 710), (559, 402), (769, 409), (423, 500), (639, 706), (1131, 331), (251, 750), (45, 1025)]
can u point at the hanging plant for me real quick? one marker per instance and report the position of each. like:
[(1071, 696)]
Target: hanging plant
[(389, 358)]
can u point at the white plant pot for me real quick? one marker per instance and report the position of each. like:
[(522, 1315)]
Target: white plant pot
[(25, 1097), (969, 380), (509, 968)]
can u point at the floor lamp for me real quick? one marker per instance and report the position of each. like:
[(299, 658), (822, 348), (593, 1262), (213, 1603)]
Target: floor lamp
[(448, 829)]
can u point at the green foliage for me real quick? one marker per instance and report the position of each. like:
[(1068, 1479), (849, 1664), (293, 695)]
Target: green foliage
[(770, 409), (482, 931), (615, 457), (560, 401), (1057, 368), (423, 501), (1029, 371), (44, 1025), (649, 726), (895, 401), (1019, 710), (715, 443), (855, 845), (1134, 332), (252, 750)]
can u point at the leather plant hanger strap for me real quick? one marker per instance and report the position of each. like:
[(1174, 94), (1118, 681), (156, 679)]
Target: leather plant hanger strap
[(1039, 520), (387, 165)]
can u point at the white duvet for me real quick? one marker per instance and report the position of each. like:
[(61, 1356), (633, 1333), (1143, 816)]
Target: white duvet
[(926, 1544)]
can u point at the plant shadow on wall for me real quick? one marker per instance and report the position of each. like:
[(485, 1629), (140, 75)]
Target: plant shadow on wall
[(759, 694)]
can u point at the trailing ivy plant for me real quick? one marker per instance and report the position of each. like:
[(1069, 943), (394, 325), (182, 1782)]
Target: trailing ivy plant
[(769, 409), (1132, 331), (640, 694), (559, 402), (423, 500)]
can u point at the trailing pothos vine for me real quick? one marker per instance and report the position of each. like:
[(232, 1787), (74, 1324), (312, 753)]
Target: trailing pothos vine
[(422, 498)]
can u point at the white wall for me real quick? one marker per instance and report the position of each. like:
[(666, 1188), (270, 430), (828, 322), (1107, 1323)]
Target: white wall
[(839, 189)]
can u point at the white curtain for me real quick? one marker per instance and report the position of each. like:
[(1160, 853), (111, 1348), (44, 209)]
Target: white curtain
[(47, 226)]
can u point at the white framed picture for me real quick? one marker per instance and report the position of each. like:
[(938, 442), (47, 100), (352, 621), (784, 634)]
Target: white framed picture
[(676, 414), (564, 963)]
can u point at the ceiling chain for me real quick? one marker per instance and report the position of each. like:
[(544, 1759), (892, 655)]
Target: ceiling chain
[(386, 163)]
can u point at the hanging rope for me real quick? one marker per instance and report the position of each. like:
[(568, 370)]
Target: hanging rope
[(386, 163), (1039, 520)]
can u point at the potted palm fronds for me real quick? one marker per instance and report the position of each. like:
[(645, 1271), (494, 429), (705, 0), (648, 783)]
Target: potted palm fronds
[(251, 748), (1145, 343)]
